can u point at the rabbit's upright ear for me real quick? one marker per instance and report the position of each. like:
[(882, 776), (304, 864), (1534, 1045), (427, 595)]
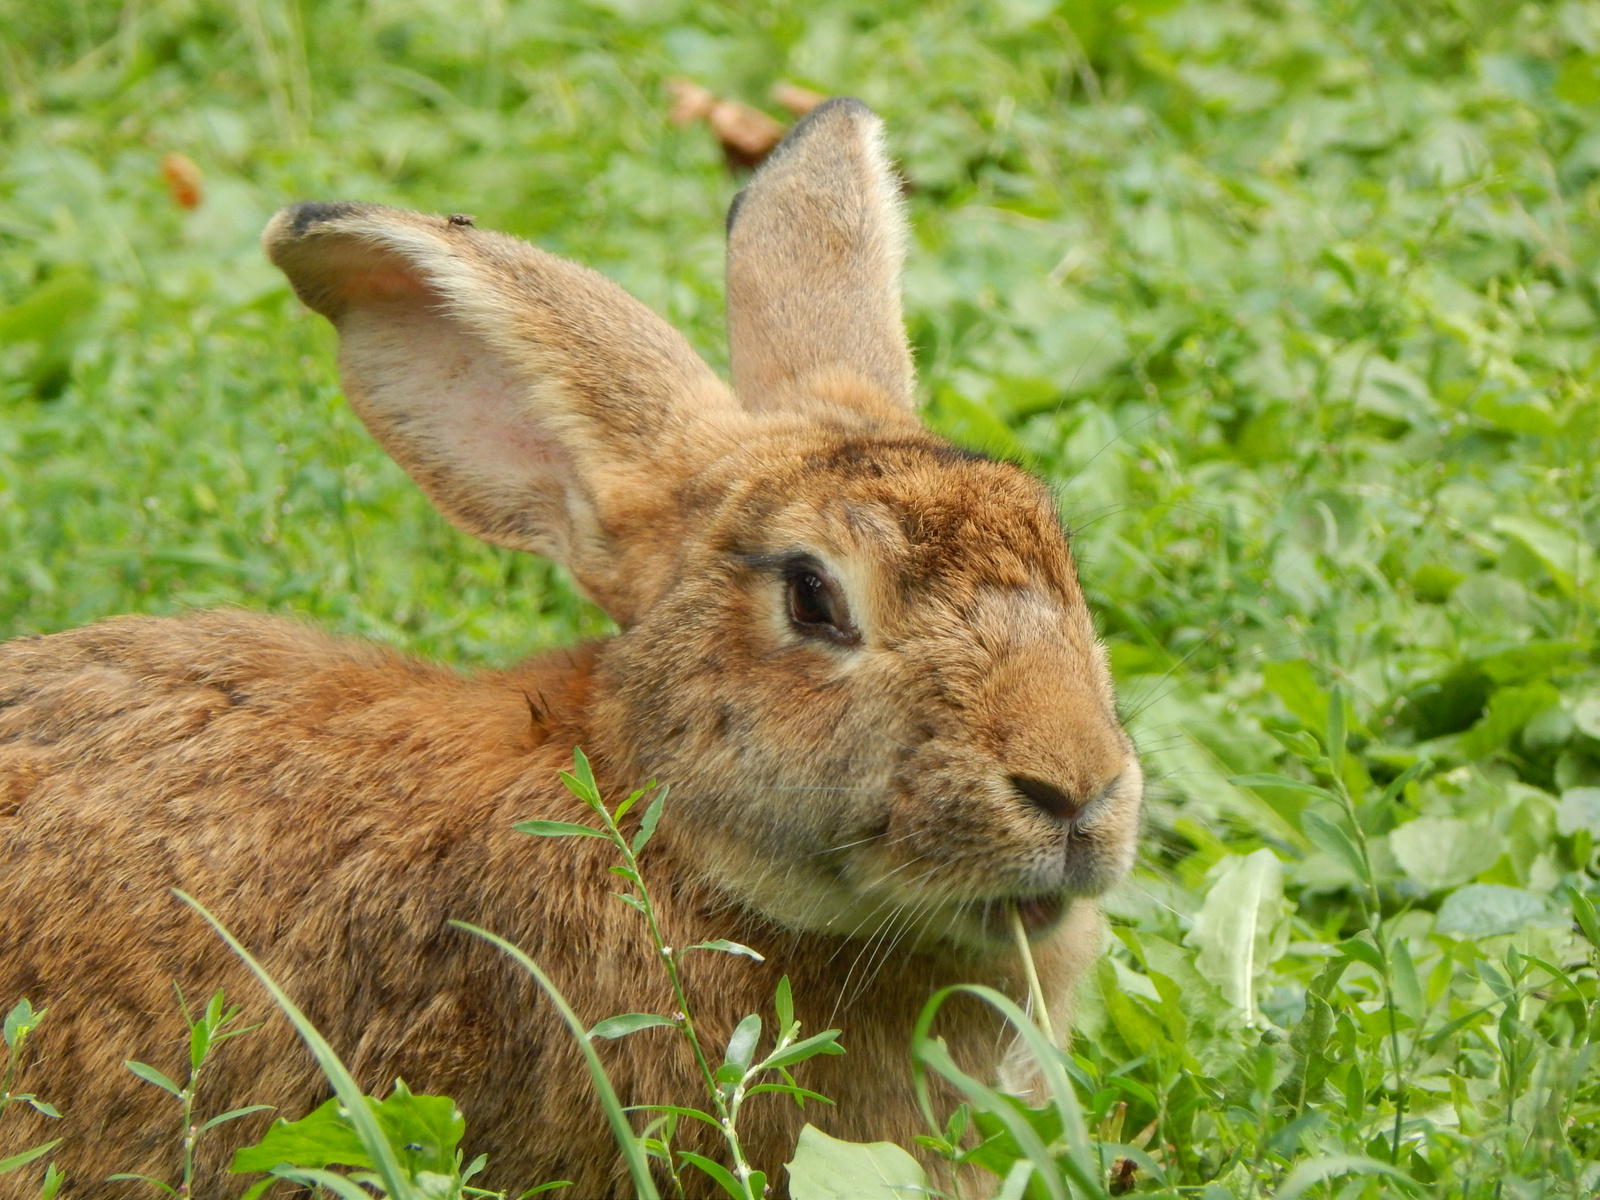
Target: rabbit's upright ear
[(536, 403), (815, 246)]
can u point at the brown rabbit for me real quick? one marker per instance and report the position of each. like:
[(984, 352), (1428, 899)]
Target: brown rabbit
[(860, 656)]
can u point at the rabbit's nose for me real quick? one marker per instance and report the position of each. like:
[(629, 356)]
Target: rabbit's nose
[(1047, 796)]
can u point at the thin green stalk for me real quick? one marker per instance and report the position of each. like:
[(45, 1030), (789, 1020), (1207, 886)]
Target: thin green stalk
[(1372, 906), (1041, 1010), (727, 1106)]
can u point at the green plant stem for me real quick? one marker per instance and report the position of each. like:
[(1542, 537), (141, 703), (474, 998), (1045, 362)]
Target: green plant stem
[(1372, 905), (1041, 1010), (727, 1107)]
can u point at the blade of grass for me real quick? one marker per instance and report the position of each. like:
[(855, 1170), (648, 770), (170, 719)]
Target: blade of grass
[(344, 1084), (627, 1141)]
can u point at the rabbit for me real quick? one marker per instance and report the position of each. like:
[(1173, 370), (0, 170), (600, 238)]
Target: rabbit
[(859, 655)]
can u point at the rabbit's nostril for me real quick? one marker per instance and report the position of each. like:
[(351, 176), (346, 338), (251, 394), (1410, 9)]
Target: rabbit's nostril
[(1046, 796)]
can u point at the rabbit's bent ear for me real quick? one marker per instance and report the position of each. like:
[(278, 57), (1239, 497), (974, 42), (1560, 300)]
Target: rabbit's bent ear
[(537, 404), (815, 246)]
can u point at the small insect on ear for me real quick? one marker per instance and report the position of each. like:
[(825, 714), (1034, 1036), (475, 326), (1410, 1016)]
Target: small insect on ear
[(815, 247), (538, 405)]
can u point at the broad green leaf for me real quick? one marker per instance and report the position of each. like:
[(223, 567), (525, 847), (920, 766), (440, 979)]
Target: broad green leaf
[(1314, 1171), (615, 1027), (1242, 927), (825, 1168), (1579, 809), (1570, 563), (1445, 852), (1294, 684), (1486, 909), (424, 1130), (22, 1020), (742, 1043)]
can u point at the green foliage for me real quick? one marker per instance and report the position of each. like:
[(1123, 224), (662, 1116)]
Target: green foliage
[(19, 1023), (1295, 304), (742, 1073)]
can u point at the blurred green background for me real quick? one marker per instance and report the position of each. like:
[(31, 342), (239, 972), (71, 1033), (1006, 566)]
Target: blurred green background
[(1295, 303)]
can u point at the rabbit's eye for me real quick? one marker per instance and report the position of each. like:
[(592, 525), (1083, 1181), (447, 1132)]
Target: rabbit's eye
[(815, 607)]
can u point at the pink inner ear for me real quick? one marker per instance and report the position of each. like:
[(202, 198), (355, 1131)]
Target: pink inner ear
[(461, 420), (380, 285)]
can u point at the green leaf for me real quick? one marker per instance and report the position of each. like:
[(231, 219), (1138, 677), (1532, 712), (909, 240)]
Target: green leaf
[(580, 782), (1294, 684), (825, 1168), (51, 1183), (150, 1075), (1569, 562), (1242, 928), (21, 1021), (726, 947), (1579, 809), (783, 1005), (423, 1131), (647, 824), (1486, 909), (1282, 783), (742, 1042), (1363, 951), (344, 1085), (1407, 987), (615, 1027), (787, 1089), (1333, 841), (557, 829), (627, 1141), (1583, 912), (717, 1171), (39, 1106), (1445, 852), (818, 1043), (1308, 1174), (234, 1114), (27, 1156)]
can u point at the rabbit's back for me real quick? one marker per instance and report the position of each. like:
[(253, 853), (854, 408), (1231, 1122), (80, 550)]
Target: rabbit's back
[(332, 802)]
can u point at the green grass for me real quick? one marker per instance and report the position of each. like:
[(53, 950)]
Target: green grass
[(1296, 302)]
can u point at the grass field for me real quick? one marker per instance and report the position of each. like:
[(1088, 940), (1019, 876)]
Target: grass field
[(1296, 303)]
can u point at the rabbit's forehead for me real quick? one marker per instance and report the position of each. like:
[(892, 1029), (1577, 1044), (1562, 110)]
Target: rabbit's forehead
[(941, 524)]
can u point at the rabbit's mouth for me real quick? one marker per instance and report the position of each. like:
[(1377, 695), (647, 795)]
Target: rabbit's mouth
[(1039, 915)]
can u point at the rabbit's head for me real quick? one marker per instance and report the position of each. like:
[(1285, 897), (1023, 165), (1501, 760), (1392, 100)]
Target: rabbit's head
[(860, 655)]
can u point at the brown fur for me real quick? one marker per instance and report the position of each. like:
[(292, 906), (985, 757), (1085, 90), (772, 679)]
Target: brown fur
[(845, 806)]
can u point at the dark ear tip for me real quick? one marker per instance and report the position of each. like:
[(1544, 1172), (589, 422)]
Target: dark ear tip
[(297, 220), (827, 113)]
